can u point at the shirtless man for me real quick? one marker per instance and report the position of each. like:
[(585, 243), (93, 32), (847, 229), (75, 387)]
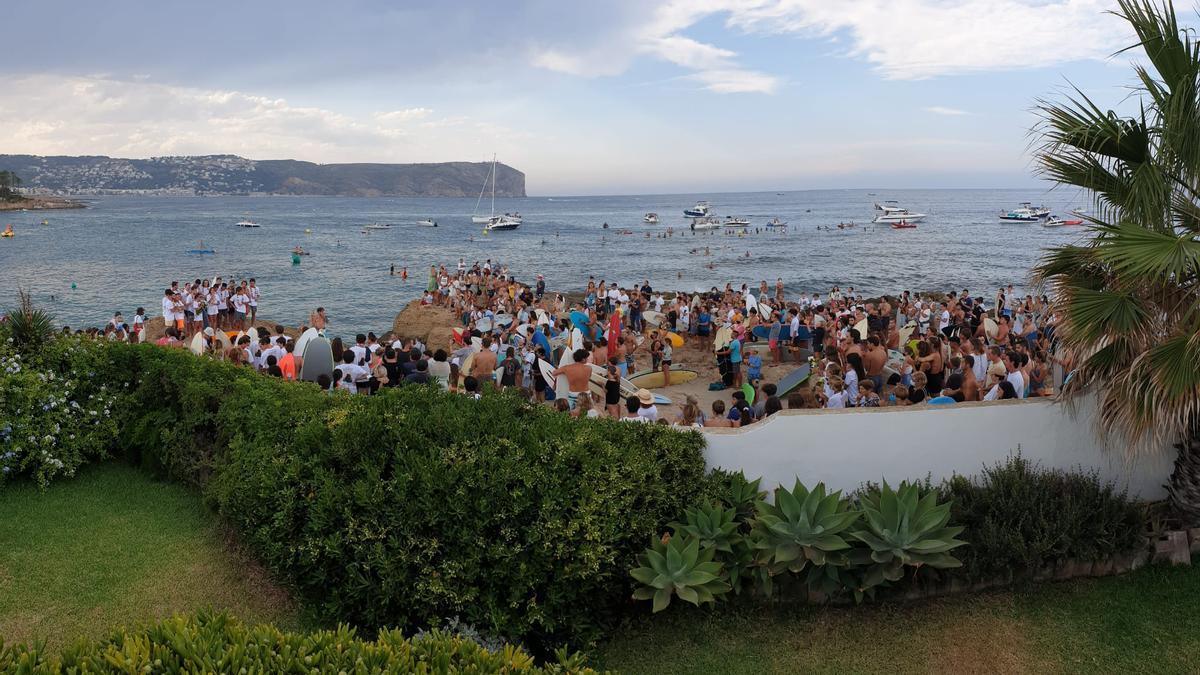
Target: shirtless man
[(874, 359), (317, 319), (578, 374), (484, 365)]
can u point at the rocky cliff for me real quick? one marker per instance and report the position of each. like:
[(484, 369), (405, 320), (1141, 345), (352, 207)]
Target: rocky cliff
[(229, 174)]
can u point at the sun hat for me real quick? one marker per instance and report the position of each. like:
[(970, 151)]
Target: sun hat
[(645, 397)]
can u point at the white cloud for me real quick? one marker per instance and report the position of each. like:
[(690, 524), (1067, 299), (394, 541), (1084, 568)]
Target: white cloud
[(943, 110), (51, 114), (913, 39), (905, 39)]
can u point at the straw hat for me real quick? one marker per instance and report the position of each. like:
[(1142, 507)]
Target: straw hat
[(645, 397)]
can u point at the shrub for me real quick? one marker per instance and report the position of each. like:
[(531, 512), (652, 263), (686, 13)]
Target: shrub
[(56, 414), (413, 505), (1022, 518), (220, 644)]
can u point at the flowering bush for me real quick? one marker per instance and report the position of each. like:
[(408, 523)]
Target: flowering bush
[(56, 415)]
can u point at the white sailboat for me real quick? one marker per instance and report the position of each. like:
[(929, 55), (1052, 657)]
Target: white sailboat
[(508, 221)]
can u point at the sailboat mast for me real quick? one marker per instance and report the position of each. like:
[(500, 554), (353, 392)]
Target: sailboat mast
[(493, 185)]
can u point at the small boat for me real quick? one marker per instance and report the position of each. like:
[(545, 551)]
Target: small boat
[(624, 231), (1039, 211), (8, 233), (427, 223), (776, 222), (895, 214), (1055, 221), (846, 226), (904, 225), (650, 218), (736, 221), (700, 210), (377, 226), (501, 223), (704, 223), (1020, 216), (201, 250), (247, 223)]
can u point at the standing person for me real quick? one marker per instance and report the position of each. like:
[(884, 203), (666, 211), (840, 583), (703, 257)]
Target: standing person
[(253, 293), (773, 337), (318, 320), (612, 391), (665, 361), (735, 360), (646, 408)]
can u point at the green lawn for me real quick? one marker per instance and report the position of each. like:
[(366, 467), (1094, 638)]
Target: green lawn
[(1146, 622), (114, 547)]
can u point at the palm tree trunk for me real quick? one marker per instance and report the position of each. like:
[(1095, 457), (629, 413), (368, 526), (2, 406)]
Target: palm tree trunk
[(1184, 488)]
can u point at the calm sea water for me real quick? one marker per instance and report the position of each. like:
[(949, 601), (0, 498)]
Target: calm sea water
[(122, 251)]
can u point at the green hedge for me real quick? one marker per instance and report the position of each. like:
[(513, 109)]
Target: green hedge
[(219, 644), (411, 506)]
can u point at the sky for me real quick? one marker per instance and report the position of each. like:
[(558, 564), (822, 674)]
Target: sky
[(584, 96)]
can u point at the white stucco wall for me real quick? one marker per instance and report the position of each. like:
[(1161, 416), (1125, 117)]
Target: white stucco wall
[(843, 448)]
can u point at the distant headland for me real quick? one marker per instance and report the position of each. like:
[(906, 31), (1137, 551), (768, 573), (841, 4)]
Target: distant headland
[(233, 175)]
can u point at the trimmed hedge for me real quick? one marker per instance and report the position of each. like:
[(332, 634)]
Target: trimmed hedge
[(414, 505), (220, 644)]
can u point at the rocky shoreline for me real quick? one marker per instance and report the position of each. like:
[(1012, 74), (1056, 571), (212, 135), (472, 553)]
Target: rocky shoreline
[(41, 204)]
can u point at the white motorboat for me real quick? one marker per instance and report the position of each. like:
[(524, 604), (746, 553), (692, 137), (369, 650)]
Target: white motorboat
[(247, 223), (776, 222), (898, 215), (736, 221), (706, 223), (502, 223), (427, 223), (1039, 211), (1020, 216), (700, 210), (650, 218), (377, 226)]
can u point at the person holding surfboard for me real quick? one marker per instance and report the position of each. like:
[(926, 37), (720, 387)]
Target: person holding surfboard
[(578, 374)]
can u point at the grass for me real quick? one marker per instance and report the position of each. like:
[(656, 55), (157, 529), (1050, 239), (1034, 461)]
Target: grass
[(1145, 622), (114, 547)]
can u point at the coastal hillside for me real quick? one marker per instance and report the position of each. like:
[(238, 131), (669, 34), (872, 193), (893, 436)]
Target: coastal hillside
[(233, 175)]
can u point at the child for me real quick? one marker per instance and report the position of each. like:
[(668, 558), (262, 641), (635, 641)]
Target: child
[(867, 398), (139, 323), (754, 366)]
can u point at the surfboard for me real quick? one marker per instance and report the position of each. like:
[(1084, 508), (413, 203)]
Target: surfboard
[(652, 318), (906, 333), (223, 342), (465, 368), (792, 380), (484, 325), (198, 346), (302, 341), (317, 360), (861, 327), (990, 328), (749, 392), (542, 317), (764, 332), (722, 338), (654, 380), (561, 386), (253, 333), (676, 340), (503, 319), (580, 321), (627, 388)]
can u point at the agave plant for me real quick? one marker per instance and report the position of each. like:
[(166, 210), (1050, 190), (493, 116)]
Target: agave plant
[(903, 529), (802, 527), (712, 525), (29, 326), (679, 566), (1128, 298), (743, 495)]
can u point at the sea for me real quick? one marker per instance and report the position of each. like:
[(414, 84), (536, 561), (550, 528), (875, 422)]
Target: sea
[(122, 251)]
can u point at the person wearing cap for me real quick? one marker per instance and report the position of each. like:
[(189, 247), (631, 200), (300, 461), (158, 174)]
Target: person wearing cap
[(646, 408)]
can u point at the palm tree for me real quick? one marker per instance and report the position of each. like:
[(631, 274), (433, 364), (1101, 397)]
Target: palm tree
[(1128, 299)]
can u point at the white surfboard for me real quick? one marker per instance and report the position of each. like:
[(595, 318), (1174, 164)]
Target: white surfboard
[(302, 341), (198, 346)]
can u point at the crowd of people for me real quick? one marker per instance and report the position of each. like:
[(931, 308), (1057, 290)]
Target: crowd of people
[(899, 350)]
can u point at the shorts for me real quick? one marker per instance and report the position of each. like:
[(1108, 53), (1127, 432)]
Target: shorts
[(240, 316), (772, 344), (666, 362)]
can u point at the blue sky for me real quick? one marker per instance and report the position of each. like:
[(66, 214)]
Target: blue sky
[(585, 97)]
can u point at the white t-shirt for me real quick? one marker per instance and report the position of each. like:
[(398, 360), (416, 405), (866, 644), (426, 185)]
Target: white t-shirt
[(168, 309), (944, 321), (1018, 382), (254, 293), (360, 354), (239, 303), (649, 414)]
